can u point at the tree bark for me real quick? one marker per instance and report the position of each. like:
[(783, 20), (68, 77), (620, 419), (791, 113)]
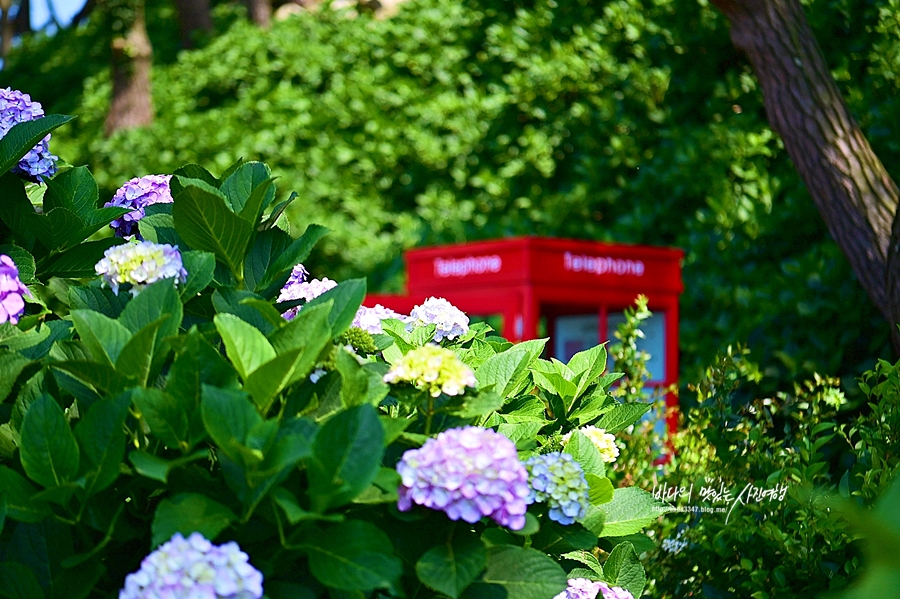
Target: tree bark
[(132, 57), (194, 16), (6, 28), (260, 12), (848, 183)]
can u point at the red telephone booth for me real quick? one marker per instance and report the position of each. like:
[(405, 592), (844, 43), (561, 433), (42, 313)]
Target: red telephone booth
[(580, 287)]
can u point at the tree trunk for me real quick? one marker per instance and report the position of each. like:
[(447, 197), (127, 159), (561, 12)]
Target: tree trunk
[(6, 28), (22, 22), (194, 16), (260, 12), (848, 183), (132, 57)]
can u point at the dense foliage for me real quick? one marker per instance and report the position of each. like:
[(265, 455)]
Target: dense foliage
[(627, 120), (158, 397)]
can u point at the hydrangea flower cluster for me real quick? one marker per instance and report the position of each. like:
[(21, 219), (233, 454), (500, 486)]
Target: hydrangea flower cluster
[(468, 473), (369, 319), (434, 369), (298, 287), (675, 545), (137, 194), (140, 263), (451, 321), (12, 304), (558, 480), (582, 588), (605, 442), (16, 107), (194, 568)]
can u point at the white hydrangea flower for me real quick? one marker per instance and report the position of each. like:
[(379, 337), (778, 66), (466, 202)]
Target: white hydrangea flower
[(140, 263), (451, 322), (369, 319), (602, 440), (434, 369), (298, 288)]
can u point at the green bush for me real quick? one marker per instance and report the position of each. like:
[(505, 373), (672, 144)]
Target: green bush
[(134, 409)]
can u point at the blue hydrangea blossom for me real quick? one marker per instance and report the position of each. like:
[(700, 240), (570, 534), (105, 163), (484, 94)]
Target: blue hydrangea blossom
[(468, 473), (137, 194), (12, 302), (194, 568), (16, 107), (558, 480)]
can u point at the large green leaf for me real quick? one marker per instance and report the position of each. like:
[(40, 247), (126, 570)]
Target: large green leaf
[(16, 208), (354, 556), (295, 253), (524, 573), (585, 453), (245, 345), (153, 302), (47, 447), (622, 416), (102, 439), (22, 137), (23, 260), (346, 458), (346, 299), (167, 419), (187, 513), (588, 365), (242, 183), (98, 299), (103, 336), (136, 359), (11, 366), (623, 569), (269, 379), (18, 581), (453, 566), (503, 370), (79, 261), (630, 510), (74, 189), (205, 222), (200, 267), (229, 417), (18, 495)]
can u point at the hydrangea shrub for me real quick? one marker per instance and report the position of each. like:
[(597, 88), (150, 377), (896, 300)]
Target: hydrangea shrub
[(232, 428)]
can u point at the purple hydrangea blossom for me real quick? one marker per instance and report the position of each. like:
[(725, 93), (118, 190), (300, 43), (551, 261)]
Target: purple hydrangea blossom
[(558, 480), (140, 263), (12, 303), (16, 107), (582, 588), (451, 322), (194, 568), (369, 319), (299, 288), (468, 473), (137, 194)]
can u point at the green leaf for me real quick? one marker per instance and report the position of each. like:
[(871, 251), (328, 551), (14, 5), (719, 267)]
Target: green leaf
[(295, 253), (354, 556), (347, 297), (11, 366), (136, 358), (622, 416), (98, 299), (601, 489), (503, 370), (228, 416), (102, 439), (79, 261), (524, 573), (346, 458), (585, 453), (23, 259), (630, 510), (291, 508), (261, 196), (187, 513), (246, 347), (57, 228), (200, 267), (308, 332), (99, 376), (153, 302), (74, 189), (232, 301), (17, 581), (383, 489), (204, 221), (588, 365), (47, 446), (587, 558), (623, 569), (242, 183), (18, 495), (103, 337), (167, 419), (187, 172), (157, 468), (266, 248), (22, 137), (268, 380), (453, 566)]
